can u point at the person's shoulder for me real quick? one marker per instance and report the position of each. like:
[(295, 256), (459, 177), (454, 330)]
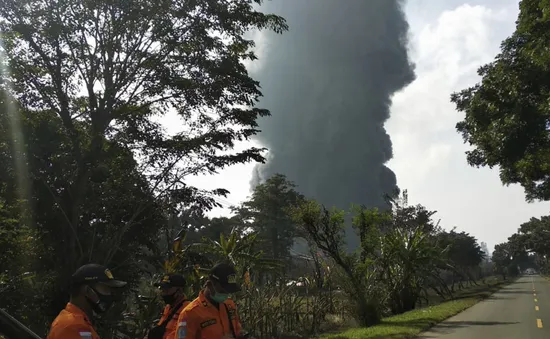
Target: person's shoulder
[(186, 303), (65, 318), (70, 327), (191, 306)]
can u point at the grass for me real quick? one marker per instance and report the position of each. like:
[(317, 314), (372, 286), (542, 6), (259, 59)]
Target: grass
[(410, 324)]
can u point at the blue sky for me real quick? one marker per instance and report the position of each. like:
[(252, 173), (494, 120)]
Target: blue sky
[(449, 40)]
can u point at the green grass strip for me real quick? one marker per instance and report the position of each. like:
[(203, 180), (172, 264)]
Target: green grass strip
[(410, 324)]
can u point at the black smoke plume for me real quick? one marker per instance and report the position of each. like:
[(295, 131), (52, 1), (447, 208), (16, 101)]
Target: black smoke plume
[(328, 83)]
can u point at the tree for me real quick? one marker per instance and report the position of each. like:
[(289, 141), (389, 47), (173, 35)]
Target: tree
[(410, 217), (410, 265), (369, 224), (533, 236), (464, 255), (269, 209), (507, 113), (91, 78), (106, 69), (326, 230), (502, 258), (529, 244), (108, 237), (239, 249), (400, 256), (217, 227)]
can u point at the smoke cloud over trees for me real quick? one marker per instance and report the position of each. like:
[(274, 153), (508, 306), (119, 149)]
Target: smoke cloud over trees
[(328, 83)]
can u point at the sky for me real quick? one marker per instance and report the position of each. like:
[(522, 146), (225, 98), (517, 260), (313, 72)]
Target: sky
[(449, 40)]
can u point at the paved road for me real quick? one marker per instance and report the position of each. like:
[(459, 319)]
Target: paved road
[(519, 311)]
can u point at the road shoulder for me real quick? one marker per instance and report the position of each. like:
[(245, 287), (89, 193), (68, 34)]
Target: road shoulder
[(411, 324)]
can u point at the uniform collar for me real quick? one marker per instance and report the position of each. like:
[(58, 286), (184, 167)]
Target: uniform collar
[(179, 303), (206, 302), (73, 309)]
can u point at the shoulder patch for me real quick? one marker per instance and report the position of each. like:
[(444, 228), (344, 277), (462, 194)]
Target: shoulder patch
[(207, 323), (182, 330), (85, 334)]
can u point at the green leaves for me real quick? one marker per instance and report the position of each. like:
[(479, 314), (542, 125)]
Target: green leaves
[(269, 211), (92, 78), (403, 253), (108, 69), (507, 114)]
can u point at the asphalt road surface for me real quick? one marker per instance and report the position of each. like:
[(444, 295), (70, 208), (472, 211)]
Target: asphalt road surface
[(520, 310)]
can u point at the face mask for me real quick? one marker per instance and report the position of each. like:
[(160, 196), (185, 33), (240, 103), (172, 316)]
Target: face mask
[(169, 299), (103, 303), (219, 297)]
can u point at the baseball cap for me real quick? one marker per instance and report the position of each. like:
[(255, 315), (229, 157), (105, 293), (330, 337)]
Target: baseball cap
[(172, 280), (226, 275), (92, 273)]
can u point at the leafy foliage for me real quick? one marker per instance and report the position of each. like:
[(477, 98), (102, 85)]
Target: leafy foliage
[(326, 230), (403, 254), (528, 247), (110, 184), (410, 263), (269, 211), (84, 158), (502, 258), (109, 204), (464, 255), (507, 113)]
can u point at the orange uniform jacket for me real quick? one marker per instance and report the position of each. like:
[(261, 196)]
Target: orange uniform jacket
[(72, 323), (171, 326), (202, 320)]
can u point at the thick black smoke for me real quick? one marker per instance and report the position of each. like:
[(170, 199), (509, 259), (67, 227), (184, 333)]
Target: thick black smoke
[(328, 83)]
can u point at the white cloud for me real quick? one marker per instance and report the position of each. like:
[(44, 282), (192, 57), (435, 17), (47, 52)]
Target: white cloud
[(448, 47)]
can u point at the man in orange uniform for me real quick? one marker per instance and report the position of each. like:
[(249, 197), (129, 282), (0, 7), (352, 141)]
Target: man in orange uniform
[(172, 292), (91, 291), (212, 315)]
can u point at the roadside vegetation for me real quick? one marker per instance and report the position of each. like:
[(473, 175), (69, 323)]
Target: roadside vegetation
[(87, 174), (412, 323)]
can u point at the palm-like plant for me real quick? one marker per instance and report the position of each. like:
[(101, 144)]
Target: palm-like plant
[(410, 263), (239, 248)]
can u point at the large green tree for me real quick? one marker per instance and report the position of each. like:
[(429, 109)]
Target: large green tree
[(532, 238), (410, 264), (268, 209), (502, 258), (107, 70), (399, 258), (90, 81), (464, 255), (39, 227), (326, 230), (507, 114)]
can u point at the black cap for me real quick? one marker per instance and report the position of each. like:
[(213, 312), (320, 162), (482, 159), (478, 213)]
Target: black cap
[(226, 275), (92, 273), (172, 280)]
